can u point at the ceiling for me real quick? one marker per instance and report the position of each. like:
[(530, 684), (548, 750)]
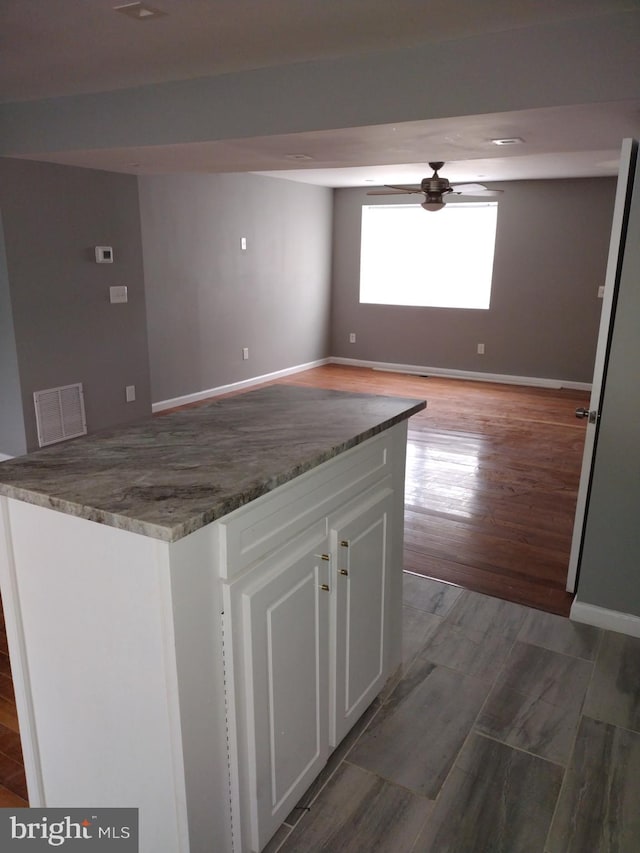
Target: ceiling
[(555, 146), (68, 47)]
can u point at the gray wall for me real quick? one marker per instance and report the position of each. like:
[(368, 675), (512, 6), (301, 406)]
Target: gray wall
[(610, 565), (551, 252), (12, 435), (207, 299), (65, 328)]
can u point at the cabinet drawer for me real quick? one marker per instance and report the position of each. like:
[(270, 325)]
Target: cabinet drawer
[(252, 532)]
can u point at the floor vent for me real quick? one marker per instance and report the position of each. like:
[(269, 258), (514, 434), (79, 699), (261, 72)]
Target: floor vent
[(60, 413)]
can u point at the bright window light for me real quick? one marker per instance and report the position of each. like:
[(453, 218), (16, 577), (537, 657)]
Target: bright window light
[(413, 257)]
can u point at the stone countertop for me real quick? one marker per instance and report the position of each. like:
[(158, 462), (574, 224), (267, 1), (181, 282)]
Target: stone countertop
[(170, 475)]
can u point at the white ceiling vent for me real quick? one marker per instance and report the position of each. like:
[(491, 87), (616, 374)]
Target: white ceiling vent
[(60, 413)]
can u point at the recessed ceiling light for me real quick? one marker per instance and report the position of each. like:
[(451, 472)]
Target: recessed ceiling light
[(139, 11), (510, 140), (298, 157), (369, 181)]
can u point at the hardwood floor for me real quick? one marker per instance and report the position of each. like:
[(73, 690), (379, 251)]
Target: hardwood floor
[(492, 478), (13, 785)]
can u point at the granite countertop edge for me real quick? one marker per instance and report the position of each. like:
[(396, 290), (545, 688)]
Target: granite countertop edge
[(218, 509)]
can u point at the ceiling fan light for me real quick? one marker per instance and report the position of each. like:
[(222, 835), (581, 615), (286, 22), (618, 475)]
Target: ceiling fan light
[(433, 202)]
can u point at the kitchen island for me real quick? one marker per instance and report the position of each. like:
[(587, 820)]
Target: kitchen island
[(200, 606)]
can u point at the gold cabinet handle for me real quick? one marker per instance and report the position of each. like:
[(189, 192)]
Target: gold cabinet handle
[(344, 572), (344, 543), (322, 556), (325, 587)]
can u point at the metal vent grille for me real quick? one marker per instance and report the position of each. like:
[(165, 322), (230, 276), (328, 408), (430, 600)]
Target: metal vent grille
[(59, 413)]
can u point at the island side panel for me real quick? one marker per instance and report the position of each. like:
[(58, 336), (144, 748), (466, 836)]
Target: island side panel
[(93, 653), (198, 628), (394, 613)]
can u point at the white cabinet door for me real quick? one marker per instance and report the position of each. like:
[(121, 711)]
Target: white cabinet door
[(281, 613), (361, 542)]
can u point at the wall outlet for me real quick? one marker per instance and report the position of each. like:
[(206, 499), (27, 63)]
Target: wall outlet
[(243, 244), (352, 337), (480, 349), (601, 292), (130, 393), (245, 353)]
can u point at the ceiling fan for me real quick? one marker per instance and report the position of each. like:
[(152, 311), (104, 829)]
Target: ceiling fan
[(434, 188)]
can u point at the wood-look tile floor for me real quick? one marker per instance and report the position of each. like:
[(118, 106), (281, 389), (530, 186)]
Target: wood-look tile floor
[(510, 730)]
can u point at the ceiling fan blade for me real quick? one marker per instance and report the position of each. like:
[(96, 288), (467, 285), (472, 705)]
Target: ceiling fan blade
[(479, 194), (405, 188), (473, 189), (393, 189), (390, 192)]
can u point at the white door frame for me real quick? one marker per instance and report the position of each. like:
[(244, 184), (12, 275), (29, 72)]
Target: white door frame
[(628, 157)]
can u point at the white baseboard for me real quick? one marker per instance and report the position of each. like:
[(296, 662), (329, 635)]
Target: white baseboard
[(389, 367), (612, 620), (4, 457), (234, 386), (503, 378)]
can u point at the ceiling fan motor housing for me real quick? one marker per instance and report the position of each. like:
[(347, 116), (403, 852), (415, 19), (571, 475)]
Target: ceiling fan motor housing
[(435, 185)]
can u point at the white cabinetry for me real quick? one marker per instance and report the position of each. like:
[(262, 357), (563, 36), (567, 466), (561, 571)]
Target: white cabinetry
[(308, 628), (206, 681), (280, 655), (362, 542), (308, 618)]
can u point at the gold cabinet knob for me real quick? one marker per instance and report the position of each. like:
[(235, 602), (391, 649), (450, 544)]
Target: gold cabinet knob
[(325, 587), (344, 572)]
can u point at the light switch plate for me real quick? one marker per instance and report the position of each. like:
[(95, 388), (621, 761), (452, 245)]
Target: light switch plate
[(118, 294)]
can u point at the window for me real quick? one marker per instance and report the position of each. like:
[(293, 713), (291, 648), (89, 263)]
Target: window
[(410, 256)]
